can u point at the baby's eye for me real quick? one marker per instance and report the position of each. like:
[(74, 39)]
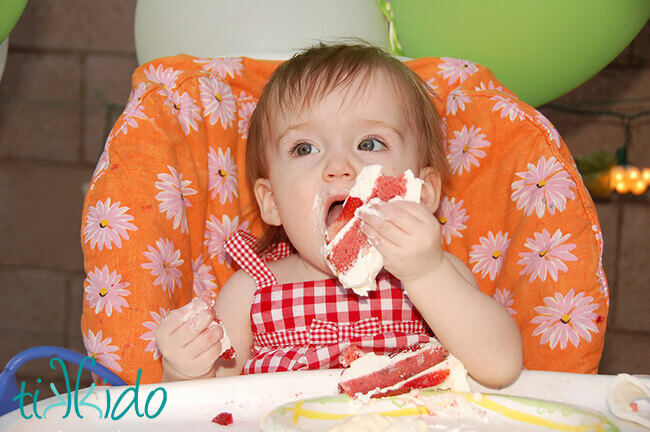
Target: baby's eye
[(302, 149), (370, 144)]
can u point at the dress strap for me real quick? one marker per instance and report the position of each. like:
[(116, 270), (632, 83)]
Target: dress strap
[(239, 246)]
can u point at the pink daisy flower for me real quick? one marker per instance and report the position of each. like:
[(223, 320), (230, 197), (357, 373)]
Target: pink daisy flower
[(489, 254), (106, 224), (246, 107), (465, 149), (490, 86), (432, 87), (456, 100), (222, 175), (565, 319), (105, 291), (100, 350), (457, 70), (547, 255), (152, 326), (166, 77), (508, 108), (183, 106), (546, 185), (223, 66), (553, 133), (504, 298), (133, 110), (218, 101), (452, 216), (173, 197), (162, 263), (216, 233), (203, 278)]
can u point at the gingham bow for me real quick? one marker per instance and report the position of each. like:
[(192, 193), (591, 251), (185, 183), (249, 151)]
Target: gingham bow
[(327, 332)]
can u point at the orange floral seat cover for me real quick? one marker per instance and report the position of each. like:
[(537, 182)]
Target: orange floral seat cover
[(170, 186)]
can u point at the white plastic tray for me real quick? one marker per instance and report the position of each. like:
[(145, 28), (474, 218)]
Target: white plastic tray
[(191, 405)]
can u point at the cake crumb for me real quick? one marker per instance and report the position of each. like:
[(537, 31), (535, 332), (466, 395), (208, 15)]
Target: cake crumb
[(223, 419)]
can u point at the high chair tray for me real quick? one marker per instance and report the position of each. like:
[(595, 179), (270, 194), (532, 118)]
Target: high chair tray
[(191, 406)]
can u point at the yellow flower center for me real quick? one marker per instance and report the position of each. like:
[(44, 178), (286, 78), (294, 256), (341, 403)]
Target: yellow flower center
[(103, 292), (541, 184), (496, 254), (218, 97), (165, 264), (103, 223), (565, 318), (222, 173), (443, 220), (465, 148), (543, 253)]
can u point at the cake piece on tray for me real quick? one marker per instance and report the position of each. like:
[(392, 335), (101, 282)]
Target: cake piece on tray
[(422, 366), (348, 252)]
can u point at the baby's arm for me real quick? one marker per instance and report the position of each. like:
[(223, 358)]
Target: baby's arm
[(472, 325), (233, 308)]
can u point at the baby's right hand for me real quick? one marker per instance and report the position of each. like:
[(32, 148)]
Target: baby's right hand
[(189, 340)]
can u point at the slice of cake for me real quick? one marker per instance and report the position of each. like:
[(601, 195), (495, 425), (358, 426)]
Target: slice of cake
[(348, 252), (422, 366)]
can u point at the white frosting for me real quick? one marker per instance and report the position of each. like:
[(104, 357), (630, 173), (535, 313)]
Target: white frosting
[(317, 212), (192, 309), (360, 277), (365, 182)]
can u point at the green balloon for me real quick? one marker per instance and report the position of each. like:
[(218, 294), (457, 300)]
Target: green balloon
[(10, 11), (539, 49)]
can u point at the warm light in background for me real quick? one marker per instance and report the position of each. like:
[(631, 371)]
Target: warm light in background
[(629, 178)]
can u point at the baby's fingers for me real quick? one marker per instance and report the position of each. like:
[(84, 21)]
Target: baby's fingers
[(210, 336), (192, 328), (204, 362)]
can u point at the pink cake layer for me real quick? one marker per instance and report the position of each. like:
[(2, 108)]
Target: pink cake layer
[(354, 243), (403, 369)]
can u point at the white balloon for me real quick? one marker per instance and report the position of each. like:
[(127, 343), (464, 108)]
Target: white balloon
[(263, 29)]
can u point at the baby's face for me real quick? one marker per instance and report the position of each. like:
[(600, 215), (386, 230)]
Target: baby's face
[(315, 157)]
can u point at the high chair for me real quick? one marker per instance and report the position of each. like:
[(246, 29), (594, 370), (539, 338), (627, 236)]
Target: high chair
[(515, 209)]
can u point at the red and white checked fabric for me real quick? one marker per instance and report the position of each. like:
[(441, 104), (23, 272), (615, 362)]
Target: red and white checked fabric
[(306, 325), (239, 245), (278, 251), (328, 332)]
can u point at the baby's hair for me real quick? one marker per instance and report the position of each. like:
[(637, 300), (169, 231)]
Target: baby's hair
[(312, 74)]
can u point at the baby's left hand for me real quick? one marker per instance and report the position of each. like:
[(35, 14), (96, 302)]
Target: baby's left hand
[(407, 235)]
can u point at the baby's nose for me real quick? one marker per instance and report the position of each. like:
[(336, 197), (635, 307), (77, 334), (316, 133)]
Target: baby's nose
[(339, 168)]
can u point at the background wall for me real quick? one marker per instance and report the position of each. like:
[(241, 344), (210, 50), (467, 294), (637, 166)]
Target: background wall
[(66, 80)]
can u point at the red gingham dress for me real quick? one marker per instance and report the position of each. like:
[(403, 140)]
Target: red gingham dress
[(306, 325)]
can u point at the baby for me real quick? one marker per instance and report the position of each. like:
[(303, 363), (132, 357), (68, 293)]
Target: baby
[(323, 116)]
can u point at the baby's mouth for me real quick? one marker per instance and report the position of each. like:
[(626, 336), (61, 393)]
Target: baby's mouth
[(333, 212)]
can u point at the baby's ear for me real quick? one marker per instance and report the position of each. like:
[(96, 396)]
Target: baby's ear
[(266, 202), (431, 189)]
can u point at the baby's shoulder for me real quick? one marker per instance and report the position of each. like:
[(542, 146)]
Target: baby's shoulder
[(239, 282)]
